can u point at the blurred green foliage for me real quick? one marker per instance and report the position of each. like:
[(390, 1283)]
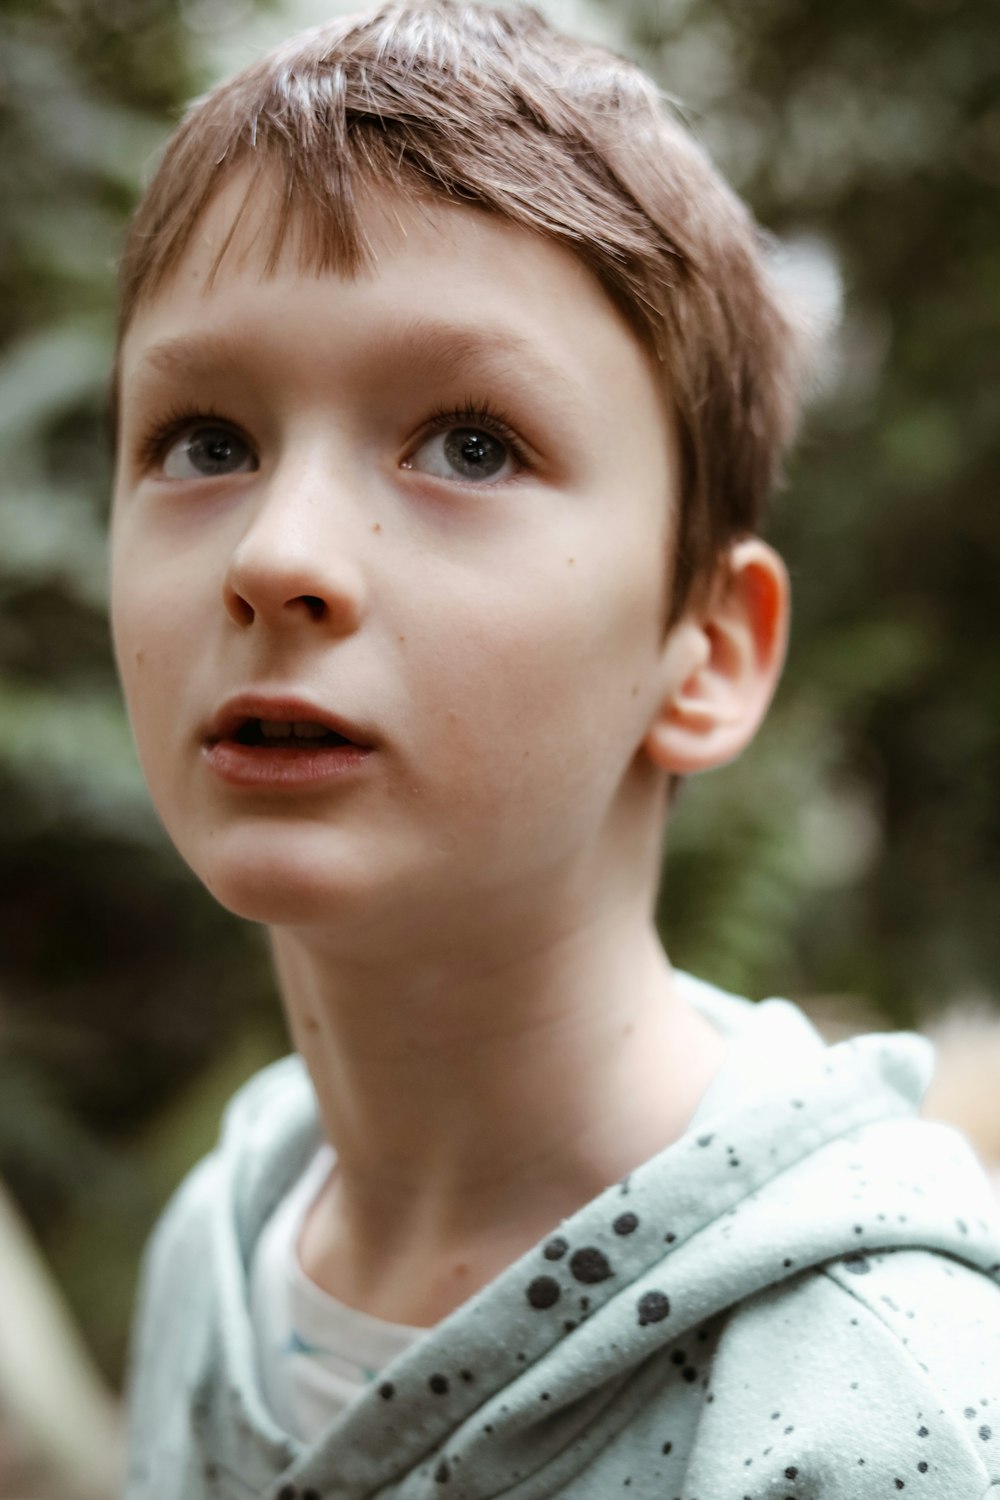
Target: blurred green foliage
[(852, 850), (120, 981), (874, 131)]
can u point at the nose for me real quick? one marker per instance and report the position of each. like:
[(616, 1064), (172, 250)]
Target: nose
[(294, 562)]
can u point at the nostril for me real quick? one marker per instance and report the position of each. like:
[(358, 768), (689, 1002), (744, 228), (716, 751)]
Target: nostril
[(239, 609)]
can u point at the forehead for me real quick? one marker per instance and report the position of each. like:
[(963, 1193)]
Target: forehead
[(439, 280)]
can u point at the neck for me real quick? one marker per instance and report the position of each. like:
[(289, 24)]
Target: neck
[(473, 1105)]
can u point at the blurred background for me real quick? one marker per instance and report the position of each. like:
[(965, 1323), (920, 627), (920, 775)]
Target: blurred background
[(851, 860)]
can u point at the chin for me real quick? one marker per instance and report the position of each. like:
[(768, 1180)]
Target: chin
[(257, 897), (272, 876), (311, 876)]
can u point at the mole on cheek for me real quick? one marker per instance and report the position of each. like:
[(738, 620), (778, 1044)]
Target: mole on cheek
[(377, 526), (140, 657)]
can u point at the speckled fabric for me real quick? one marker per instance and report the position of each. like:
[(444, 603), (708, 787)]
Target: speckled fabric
[(798, 1300)]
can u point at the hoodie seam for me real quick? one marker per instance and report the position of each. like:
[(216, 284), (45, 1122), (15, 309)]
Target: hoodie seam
[(922, 1374)]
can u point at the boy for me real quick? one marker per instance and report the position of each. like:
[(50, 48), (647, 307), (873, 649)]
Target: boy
[(451, 382)]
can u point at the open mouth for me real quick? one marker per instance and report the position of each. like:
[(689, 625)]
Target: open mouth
[(295, 747), (277, 735)]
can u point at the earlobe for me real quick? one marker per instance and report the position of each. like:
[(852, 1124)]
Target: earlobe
[(722, 664)]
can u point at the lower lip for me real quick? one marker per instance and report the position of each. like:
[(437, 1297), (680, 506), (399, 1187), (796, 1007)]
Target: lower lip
[(277, 770)]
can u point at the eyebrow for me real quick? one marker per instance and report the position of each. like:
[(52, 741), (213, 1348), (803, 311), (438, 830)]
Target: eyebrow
[(447, 348)]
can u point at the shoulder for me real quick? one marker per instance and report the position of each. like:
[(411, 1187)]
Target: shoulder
[(882, 1366), (945, 1315), (266, 1115), (174, 1272), (194, 1249)]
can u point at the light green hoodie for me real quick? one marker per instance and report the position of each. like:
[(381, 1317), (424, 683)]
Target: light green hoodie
[(798, 1298)]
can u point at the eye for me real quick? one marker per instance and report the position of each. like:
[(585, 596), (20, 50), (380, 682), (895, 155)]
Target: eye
[(206, 452), (466, 454)]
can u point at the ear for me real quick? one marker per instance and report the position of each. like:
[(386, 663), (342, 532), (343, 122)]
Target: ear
[(722, 663)]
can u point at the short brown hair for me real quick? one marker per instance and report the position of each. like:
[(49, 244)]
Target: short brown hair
[(495, 109)]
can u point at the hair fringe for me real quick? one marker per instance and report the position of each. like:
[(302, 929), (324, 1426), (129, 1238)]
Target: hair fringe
[(494, 108)]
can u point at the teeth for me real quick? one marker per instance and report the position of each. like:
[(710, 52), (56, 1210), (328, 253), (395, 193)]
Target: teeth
[(272, 729)]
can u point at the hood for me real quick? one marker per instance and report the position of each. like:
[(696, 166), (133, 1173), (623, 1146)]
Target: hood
[(799, 1154)]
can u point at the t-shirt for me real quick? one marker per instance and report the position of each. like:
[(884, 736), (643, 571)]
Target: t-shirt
[(314, 1353)]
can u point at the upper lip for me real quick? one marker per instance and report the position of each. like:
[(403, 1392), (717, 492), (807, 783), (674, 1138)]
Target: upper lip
[(283, 708)]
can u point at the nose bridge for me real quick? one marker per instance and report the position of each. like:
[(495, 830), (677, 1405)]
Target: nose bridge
[(299, 551)]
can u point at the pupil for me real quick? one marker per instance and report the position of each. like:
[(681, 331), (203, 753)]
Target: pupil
[(476, 454), (212, 449)]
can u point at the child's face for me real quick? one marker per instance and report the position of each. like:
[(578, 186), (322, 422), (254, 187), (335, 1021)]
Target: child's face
[(487, 604)]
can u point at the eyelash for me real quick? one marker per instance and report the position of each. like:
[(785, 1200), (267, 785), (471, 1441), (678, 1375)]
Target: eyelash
[(153, 446), (473, 413), (482, 414)]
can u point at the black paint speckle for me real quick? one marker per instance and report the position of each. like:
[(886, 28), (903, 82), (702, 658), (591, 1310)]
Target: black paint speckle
[(626, 1224), (690, 1374), (679, 1357), (669, 1237), (442, 1473), (569, 1325), (311, 1494), (387, 1390), (706, 1140), (439, 1385), (590, 1265), (922, 1466), (791, 1472), (467, 1376), (667, 1447), (543, 1292), (985, 1433), (900, 1485), (555, 1248), (653, 1308), (856, 1263), (288, 1492), (923, 1431)]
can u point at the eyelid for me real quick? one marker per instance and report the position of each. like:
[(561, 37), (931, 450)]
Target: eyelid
[(156, 440), (479, 414)]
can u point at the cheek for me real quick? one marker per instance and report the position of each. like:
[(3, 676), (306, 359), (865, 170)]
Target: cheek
[(543, 693), (154, 657)]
